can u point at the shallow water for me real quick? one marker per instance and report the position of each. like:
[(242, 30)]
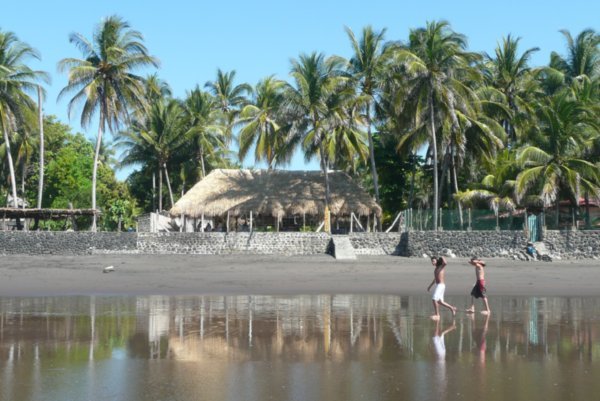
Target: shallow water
[(333, 348)]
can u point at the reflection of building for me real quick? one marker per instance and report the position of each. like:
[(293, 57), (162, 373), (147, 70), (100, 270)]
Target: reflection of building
[(236, 343)]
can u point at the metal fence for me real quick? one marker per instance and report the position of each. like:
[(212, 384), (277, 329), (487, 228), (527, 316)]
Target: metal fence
[(485, 219)]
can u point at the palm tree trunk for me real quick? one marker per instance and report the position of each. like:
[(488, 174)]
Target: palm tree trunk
[(372, 157), (11, 168), (23, 172), (587, 210), (413, 158), (41, 125), (202, 161), (159, 189), (95, 168), (435, 162), (168, 184), (445, 163), (325, 167), (153, 192), (455, 179)]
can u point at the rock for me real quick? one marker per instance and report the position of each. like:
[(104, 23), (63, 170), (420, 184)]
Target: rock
[(108, 269)]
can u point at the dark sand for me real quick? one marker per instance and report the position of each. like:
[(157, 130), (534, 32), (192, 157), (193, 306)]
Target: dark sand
[(273, 275)]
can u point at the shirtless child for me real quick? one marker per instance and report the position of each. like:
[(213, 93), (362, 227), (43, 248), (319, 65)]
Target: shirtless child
[(478, 290), (440, 287)]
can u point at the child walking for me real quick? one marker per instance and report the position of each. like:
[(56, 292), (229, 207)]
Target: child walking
[(479, 289), (440, 287)]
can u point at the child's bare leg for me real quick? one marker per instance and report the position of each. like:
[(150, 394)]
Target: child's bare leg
[(471, 309), (436, 310), (452, 308), (487, 310)]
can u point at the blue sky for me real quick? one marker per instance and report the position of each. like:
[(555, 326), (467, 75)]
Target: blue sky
[(259, 38)]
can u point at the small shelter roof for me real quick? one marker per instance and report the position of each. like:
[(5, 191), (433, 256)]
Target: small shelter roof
[(275, 193), (44, 214)]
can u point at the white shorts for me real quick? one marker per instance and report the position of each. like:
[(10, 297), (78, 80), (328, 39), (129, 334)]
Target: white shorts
[(438, 292)]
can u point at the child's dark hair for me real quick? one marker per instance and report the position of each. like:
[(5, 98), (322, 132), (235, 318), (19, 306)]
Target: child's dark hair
[(476, 259), (439, 262)]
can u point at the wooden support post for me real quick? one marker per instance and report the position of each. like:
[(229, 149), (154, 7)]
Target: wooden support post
[(250, 220), (227, 228), (351, 221), (304, 221), (202, 223)]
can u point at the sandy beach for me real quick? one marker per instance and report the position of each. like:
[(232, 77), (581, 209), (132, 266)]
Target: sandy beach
[(273, 275)]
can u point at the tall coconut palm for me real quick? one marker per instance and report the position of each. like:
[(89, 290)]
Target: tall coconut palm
[(230, 97), (202, 125), (583, 55), (556, 165), (317, 80), (509, 72), (366, 66), (103, 81), (16, 79), (437, 65), (156, 89), (153, 142), (260, 126)]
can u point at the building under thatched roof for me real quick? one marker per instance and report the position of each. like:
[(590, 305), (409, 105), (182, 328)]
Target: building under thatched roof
[(274, 193)]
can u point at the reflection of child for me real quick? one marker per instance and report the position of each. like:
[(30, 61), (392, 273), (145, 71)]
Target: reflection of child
[(438, 340), (440, 287), (479, 289)]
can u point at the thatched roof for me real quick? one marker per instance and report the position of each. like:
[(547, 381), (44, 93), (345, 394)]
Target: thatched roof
[(275, 193)]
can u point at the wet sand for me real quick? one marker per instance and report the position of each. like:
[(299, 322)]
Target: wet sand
[(273, 275)]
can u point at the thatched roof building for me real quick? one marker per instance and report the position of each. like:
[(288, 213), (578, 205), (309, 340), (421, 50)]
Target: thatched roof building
[(274, 193)]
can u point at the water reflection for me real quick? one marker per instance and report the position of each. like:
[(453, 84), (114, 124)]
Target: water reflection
[(295, 348)]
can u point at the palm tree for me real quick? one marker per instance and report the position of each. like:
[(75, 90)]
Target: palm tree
[(16, 78), (318, 81), (366, 66), (230, 97), (260, 126), (509, 72), (496, 189), (103, 80), (156, 89), (201, 120), (153, 142), (583, 55), (557, 165), (436, 64)]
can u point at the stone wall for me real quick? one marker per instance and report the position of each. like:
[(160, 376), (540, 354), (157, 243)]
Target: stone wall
[(484, 244), (213, 243), (566, 244), (377, 243), (573, 244), (65, 242)]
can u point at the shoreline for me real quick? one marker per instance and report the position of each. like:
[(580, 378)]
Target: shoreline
[(32, 276)]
